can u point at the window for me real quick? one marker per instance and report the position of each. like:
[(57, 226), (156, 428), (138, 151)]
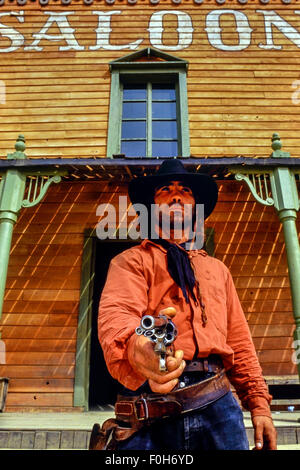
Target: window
[(149, 120), (148, 109)]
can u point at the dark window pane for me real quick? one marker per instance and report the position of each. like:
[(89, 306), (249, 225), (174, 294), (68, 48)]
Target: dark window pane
[(134, 92), (164, 110), (134, 148), (163, 92), (134, 110), (164, 129), (164, 149), (133, 129)]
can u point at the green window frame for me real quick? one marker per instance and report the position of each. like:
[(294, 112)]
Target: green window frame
[(150, 71)]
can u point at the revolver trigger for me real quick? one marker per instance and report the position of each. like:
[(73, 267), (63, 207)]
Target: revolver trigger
[(162, 363)]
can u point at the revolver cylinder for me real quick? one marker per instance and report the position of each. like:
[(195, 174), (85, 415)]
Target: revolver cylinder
[(160, 330)]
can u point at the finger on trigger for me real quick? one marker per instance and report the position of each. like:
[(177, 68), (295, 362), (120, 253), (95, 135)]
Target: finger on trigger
[(177, 365), (178, 354), (170, 311), (172, 364)]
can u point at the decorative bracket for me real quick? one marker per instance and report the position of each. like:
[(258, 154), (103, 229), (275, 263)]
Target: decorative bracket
[(37, 188), (262, 184), (35, 183), (258, 185)]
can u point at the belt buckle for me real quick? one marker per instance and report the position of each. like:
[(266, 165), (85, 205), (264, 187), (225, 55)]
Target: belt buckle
[(124, 408), (146, 410)]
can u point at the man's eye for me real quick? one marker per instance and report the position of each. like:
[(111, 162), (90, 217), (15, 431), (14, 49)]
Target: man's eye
[(165, 188), (187, 190)]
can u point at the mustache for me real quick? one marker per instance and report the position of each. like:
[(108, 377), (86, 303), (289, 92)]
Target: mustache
[(176, 204)]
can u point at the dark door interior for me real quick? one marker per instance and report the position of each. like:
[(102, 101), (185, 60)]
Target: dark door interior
[(103, 388)]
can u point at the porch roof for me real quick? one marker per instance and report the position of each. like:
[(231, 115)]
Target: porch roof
[(124, 169)]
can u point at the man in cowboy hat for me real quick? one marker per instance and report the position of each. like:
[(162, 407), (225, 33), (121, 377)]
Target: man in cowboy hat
[(190, 405)]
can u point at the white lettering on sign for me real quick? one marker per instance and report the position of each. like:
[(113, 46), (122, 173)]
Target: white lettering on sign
[(103, 33), (214, 30), (272, 19), (184, 29), (66, 32), (16, 38)]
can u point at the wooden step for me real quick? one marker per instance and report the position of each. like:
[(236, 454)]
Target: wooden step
[(67, 431), (44, 440)]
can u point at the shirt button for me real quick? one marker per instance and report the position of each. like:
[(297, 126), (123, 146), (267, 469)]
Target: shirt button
[(181, 384)]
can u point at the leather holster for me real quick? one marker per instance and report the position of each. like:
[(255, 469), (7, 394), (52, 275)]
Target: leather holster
[(138, 411)]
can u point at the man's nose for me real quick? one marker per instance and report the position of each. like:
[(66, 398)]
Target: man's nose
[(176, 196)]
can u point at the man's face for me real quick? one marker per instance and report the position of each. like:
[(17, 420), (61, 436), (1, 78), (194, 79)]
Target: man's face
[(171, 197)]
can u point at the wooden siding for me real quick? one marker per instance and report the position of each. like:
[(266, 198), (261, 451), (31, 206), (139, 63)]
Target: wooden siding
[(59, 98), (39, 323)]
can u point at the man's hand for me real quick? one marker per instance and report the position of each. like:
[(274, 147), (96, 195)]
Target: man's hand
[(145, 361), (264, 433)]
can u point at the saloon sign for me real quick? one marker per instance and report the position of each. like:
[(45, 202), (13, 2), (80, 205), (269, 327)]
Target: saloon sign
[(185, 31)]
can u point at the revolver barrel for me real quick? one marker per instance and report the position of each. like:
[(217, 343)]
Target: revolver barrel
[(160, 330)]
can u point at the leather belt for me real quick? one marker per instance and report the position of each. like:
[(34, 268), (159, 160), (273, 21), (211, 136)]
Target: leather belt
[(212, 363), (139, 410)]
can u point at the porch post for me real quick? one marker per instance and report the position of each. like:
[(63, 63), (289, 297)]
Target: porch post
[(285, 200), (12, 191), (286, 203)]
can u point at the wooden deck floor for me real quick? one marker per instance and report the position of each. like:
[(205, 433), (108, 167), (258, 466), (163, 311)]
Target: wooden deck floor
[(71, 431)]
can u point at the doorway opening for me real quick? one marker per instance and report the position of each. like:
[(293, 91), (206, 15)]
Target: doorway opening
[(103, 389)]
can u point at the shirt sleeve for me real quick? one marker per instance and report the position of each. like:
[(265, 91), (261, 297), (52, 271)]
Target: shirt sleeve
[(122, 304), (246, 373)]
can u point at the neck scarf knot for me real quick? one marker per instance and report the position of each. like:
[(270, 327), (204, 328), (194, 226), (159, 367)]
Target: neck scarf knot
[(179, 267)]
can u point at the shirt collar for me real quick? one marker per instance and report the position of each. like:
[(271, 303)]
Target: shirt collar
[(147, 242)]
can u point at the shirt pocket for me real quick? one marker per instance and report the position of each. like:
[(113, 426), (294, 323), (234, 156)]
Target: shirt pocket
[(217, 309)]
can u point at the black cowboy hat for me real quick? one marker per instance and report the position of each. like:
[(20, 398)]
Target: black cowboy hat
[(205, 190)]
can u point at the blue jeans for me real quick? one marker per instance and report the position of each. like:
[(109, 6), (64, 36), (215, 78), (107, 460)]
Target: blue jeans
[(218, 426)]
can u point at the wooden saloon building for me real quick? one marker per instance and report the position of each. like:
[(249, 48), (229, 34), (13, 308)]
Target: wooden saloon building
[(96, 92)]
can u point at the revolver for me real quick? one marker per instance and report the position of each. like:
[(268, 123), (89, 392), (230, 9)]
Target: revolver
[(162, 331)]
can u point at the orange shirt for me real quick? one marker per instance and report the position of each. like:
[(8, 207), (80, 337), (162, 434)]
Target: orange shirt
[(138, 283)]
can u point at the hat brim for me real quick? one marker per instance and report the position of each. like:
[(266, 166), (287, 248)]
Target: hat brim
[(205, 190)]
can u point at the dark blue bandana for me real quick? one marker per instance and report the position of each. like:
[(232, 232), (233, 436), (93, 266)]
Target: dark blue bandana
[(179, 267)]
